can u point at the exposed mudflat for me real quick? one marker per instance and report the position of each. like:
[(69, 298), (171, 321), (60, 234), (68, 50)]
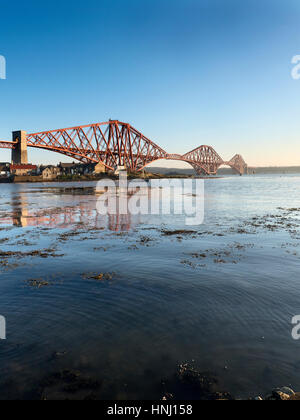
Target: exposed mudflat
[(110, 307)]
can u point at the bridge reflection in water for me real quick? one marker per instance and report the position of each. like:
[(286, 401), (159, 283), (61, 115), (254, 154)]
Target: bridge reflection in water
[(80, 215)]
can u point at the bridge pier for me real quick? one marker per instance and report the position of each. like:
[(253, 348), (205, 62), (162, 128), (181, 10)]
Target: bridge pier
[(19, 154)]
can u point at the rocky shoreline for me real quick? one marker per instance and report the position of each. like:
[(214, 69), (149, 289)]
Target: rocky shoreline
[(186, 384), (189, 384), (280, 394)]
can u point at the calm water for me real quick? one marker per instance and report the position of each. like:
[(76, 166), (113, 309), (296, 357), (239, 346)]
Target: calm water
[(223, 296)]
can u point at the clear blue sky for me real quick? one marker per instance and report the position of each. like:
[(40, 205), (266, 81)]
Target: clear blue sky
[(184, 72)]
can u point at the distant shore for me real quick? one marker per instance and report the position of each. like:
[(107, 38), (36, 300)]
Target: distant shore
[(85, 178)]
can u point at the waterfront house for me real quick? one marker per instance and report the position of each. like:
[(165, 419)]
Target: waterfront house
[(81, 168), (20, 169), (68, 168), (50, 172), (4, 169)]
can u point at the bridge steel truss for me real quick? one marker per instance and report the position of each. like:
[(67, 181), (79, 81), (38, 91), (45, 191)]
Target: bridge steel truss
[(115, 143), (7, 144)]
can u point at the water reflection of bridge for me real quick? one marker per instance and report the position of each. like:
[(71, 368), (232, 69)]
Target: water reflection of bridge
[(80, 215)]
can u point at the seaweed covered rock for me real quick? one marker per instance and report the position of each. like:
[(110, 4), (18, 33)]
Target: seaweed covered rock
[(69, 384), (190, 384)]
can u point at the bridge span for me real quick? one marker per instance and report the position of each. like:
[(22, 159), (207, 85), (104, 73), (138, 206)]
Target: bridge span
[(114, 144)]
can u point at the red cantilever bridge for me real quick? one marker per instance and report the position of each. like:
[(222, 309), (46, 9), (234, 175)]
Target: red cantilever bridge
[(114, 143)]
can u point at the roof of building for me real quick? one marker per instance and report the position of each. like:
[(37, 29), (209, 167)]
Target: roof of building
[(4, 166), (19, 166), (78, 164), (68, 165), (42, 167)]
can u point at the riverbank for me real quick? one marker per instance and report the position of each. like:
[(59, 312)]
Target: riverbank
[(25, 179)]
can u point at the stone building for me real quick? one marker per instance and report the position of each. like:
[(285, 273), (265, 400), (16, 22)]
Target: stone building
[(20, 169), (68, 168), (50, 172), (94, 168), (81, 168)]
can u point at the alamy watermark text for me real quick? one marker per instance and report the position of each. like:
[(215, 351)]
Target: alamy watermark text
[(156, 197), (2, 67), (2, 328), (296, 68)]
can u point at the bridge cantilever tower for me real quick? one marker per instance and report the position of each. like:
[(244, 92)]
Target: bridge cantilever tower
[(204, 159), (19, 152), (114, 144), (238, 163)]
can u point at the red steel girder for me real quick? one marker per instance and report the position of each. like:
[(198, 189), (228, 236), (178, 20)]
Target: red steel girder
[(7, 144), (115, 143)]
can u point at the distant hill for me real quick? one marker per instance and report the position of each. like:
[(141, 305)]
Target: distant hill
[(276, 170), (178, 171), (228, 171)]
